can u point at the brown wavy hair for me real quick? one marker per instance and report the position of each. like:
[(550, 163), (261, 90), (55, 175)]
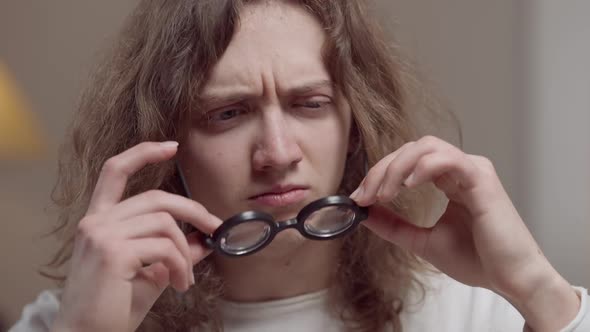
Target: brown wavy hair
[(146, 89)]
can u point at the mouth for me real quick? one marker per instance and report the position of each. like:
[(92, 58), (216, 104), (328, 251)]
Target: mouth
[(281, 196)]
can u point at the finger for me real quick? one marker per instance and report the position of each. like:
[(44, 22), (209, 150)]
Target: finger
[(117, 170), (374, 177), (198, 250), (158, 224), (181, 208), (161, 250), (489, 193), (394, 176), (159, 276), (401, 172), (392, 173), (450, 170), (390, 227), (449, 185)]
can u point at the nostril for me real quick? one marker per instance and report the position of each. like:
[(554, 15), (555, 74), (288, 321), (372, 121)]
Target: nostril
[(278, 159)]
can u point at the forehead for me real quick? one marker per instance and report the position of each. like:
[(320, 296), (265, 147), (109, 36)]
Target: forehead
[(275, 40)]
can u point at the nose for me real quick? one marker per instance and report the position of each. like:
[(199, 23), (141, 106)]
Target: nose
[(276, 147)]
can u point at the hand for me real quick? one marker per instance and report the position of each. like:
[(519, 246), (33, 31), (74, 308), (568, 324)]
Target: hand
[(480, 240), (127, 252)]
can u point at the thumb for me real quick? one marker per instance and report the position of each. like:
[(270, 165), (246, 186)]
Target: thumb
[(389, 226)]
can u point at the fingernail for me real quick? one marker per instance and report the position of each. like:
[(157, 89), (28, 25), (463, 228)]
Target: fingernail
[(191, 275), (169, 144), (409, 180), (379, 195), (357, 193)]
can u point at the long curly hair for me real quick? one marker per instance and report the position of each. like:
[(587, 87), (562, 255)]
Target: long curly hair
[(146, 89)]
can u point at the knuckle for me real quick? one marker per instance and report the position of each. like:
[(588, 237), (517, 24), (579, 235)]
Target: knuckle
[(169, 247), (172, 254), (91, 234), (85, 227), (485, 164), (108, 250), (372, 172), (430, 140), (424, 165), (155, 195), (163, 216), (383, 194), (109, 254), (112, 166), (96, 242), (485, 170), (445, 161), (102, 245), (392, 171), (167, 221), (453, 152)]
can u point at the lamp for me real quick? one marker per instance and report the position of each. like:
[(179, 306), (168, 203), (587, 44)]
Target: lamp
[(20, 134)]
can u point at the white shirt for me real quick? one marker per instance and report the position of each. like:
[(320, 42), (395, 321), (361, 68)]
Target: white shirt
[(448, 306)]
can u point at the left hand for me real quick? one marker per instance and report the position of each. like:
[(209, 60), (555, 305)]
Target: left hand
[(480, 240)]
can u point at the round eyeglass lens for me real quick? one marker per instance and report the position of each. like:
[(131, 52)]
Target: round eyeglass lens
[(329, 221), (245, 237)]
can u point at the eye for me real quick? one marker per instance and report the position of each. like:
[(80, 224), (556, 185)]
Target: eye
[(313, 102), (224, 115)]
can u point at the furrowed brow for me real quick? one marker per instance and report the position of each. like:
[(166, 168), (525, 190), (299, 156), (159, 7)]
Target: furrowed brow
[(216, 98), (309, 87), (224, 98)]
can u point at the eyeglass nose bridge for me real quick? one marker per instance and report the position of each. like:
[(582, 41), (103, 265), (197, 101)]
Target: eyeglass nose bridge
[(283, 225)]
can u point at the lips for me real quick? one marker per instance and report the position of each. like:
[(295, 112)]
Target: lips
[(281, 195)]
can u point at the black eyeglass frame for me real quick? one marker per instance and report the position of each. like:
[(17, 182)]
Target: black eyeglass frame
[(213, 241)]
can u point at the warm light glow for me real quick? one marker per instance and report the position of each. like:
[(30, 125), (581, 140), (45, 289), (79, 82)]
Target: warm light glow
[(20, 136)]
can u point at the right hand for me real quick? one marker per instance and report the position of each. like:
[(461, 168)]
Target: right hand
[(127, 252)]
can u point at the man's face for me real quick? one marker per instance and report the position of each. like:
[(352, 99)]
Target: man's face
[(272, 134)]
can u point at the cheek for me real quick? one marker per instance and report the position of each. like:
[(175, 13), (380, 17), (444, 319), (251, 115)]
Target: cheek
[(340, 139), (341, 130), (327, 146), (213, 168)]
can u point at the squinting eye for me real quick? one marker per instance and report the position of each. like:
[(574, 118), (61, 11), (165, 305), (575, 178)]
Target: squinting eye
[(224, 115), (313, 103)]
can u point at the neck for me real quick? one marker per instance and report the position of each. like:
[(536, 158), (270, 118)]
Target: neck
[(276, 273)]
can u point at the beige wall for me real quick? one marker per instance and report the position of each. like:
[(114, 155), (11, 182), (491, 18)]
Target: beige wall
[(517, 75), (49, 46), (557, 97), (473, 50)]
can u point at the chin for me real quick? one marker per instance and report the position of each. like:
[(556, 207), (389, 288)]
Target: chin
[(285, 244)]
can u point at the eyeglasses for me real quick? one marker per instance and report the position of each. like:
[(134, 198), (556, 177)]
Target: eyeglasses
[(324, 219), (248, 232)]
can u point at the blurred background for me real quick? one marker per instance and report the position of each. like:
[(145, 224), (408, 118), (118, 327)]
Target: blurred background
[(516, 73)]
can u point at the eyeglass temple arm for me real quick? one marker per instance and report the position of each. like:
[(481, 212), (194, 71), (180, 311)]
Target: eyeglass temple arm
[(206, 239)]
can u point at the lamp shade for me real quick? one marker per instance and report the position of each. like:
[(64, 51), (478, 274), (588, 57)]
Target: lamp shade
[(20, 135)]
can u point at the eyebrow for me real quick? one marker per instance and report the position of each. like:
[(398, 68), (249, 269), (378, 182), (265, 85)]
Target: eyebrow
[(212, 99), (240, 94), (309, 87)]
